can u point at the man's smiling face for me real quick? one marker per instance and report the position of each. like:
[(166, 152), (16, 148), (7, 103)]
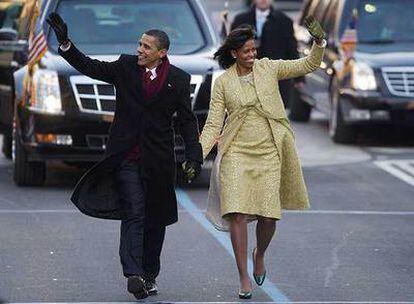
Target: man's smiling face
[(148, 51)]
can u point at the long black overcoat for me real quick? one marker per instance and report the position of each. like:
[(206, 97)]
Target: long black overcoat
[(143, 121)]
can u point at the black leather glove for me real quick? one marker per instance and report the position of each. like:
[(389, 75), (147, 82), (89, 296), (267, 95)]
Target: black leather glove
[(59, 27), (191, 170)]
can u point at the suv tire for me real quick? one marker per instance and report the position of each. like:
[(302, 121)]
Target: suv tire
[(299, 109), (339, 131), (7, 146), (26, 173)]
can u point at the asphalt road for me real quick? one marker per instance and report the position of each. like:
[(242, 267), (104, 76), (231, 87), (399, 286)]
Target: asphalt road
[(354, 245)]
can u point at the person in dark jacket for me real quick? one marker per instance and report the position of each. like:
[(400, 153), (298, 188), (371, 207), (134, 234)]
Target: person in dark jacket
[(134, 182), (274, 39)]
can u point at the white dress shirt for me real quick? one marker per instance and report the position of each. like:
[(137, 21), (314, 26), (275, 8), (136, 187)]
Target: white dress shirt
[(261, 17), (153, 72)]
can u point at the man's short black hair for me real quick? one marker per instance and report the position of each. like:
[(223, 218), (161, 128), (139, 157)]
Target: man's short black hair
[(162, 37)]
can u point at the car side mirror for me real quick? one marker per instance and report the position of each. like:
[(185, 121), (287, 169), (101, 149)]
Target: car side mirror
[(8, 34)]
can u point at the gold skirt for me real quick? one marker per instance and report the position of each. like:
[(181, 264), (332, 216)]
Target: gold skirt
[(250, 171)]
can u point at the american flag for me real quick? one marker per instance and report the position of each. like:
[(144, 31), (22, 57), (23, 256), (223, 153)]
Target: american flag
[(37, 39)]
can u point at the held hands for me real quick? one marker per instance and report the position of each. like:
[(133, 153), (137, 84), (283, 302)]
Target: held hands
[(59, 26), (314, 28), (191, 170)]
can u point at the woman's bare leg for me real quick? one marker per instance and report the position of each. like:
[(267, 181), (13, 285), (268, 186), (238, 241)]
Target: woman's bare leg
[(265, 230), (238, 235)]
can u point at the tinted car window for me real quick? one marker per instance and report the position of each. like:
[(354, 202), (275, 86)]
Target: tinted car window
[(385, 21), (107, 26), (9, 14)]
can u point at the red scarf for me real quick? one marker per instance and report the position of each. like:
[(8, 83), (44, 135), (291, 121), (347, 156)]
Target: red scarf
[(150, 88)]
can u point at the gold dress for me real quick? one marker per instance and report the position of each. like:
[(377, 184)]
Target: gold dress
[(252, 188)]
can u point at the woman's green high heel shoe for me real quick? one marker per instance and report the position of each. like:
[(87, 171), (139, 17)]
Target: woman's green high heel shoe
[(259, 279), (245, 295)]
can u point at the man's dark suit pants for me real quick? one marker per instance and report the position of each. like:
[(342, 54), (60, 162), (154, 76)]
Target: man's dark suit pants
[(140, 247)]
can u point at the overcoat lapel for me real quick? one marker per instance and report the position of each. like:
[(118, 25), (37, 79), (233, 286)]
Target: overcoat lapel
[(137, 78)]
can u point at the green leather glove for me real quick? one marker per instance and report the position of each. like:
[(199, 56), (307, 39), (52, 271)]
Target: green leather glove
[(191, 170), (314, 28)]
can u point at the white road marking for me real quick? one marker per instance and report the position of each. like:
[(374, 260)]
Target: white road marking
[(165, 302), (39, 211), (349, 212), (301, 212), (390, 150), (402, 169)]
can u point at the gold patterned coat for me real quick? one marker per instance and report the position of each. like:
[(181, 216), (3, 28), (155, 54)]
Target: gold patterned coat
[(227, 98)]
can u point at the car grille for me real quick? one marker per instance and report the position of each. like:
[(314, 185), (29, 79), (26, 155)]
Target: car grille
[(93, 96), (97, 97), (96, 141), (399, 80)]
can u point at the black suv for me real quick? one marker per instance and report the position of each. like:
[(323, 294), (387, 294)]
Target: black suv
[(60, 114), (12, 20), (377, 85)]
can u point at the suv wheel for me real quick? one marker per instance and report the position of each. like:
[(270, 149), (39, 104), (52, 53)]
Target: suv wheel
[(26, 173), (299, 109), (7, 146), (339, 131)]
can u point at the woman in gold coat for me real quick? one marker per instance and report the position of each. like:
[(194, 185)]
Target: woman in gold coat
[(257, 171)]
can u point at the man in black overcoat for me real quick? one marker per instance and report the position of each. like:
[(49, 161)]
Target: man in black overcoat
[(275, 38), (134, 182)]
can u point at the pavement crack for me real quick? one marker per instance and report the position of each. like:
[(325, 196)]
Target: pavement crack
[(335, 261)]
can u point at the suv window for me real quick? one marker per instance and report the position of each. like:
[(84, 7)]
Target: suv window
[(107, 26), (385, 21), (9, 14)]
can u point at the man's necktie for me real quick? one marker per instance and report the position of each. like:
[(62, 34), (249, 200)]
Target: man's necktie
[(147, 76)]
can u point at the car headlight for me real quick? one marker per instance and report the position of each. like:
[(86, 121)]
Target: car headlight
[(45, 97), (363, 77)]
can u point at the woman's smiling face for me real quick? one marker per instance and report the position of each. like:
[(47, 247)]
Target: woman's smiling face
[(246, 55)]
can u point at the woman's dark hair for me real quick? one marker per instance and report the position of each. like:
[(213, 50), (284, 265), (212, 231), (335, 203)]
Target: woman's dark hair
[(234, 41)]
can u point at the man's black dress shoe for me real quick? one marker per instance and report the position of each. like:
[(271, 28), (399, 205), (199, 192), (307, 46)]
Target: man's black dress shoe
[(136, 286), (151, 287)]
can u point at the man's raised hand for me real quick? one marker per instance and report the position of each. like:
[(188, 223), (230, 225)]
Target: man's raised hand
[(59, 27)]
